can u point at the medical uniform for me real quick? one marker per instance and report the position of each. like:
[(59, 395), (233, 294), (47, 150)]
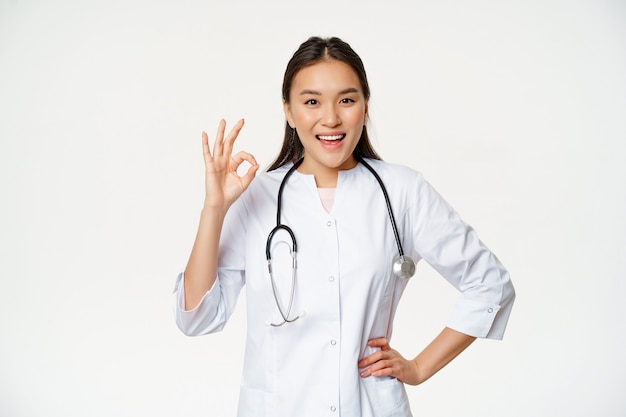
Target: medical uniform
[(345, 291)]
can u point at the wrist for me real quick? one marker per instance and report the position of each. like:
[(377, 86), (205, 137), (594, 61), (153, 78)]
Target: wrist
[(212, 215), (418, 372), (212, 209)]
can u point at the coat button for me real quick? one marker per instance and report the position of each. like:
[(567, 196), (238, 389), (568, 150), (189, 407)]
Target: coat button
[(333, 408), (333, 342), (331, 279), (329, 223), (490, 310)]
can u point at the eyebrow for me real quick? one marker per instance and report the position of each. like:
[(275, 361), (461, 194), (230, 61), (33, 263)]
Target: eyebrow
[(317, 93)]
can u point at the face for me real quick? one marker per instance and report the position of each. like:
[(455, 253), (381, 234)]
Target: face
[(328, 109)]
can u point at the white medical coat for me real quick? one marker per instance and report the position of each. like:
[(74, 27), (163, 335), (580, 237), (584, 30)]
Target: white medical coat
[(344, 287)]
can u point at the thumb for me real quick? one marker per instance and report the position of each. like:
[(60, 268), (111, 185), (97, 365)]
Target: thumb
[(247, 178)]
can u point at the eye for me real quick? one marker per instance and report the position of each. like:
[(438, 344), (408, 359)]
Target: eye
[(311, 102), (346, 100)]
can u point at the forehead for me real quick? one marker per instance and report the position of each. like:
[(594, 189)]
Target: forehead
[(326, 77)]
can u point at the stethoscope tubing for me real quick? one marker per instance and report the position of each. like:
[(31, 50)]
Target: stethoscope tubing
[(392, 218), (280, 226), (403, 267)]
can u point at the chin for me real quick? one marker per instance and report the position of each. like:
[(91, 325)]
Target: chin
[(341, 163)]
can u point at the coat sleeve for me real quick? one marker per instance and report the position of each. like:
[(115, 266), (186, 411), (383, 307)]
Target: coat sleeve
[(453, 249), (218, 304)]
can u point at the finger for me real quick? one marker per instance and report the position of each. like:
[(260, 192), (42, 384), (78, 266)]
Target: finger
[(232, 135), (238, 159), (249, 176), (380, 342), (386, 371), (370, 359), (390, 364), (205, 145), (376, 368), (219, 138)]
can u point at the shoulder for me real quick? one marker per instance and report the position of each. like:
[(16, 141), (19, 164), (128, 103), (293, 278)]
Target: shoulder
[(395, 173), (405, 185)]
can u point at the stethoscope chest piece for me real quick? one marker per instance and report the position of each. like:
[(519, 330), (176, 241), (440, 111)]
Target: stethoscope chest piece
[(403, 267)]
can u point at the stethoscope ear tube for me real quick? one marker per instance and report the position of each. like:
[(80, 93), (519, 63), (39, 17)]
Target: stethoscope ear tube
[(284, 314)]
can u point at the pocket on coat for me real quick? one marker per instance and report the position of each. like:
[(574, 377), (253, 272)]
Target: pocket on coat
[(256, 403), (385, 397)]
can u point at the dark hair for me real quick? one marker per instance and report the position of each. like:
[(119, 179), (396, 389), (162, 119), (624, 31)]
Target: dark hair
[(314, 50)]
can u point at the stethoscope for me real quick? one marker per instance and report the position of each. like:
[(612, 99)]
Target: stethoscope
[(403, 266)]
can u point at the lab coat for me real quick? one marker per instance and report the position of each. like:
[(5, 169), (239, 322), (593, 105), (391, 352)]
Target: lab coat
[(345, 291)]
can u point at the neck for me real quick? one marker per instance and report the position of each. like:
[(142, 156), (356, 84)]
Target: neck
[(326, 181), (325, 176)]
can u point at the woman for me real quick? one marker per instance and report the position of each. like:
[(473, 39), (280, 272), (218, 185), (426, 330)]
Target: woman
[(321, 291)]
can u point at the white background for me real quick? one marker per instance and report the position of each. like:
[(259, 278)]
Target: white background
[(513, 110)]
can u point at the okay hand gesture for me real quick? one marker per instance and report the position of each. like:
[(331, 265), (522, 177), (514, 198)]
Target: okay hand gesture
[(223, 184)]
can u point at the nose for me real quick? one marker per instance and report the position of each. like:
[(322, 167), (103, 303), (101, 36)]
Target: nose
[(330, 117)]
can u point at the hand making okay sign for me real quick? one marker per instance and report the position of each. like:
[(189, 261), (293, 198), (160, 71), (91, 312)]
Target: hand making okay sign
[(223, 184)]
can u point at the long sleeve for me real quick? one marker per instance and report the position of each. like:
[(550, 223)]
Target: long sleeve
[(453, 249), (218, 304)]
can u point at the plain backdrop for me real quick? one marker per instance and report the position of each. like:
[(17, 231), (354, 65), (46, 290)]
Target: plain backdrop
[(514, 110)]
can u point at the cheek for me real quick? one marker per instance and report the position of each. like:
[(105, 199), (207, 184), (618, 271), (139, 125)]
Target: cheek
[(356, 117), (304, 118)]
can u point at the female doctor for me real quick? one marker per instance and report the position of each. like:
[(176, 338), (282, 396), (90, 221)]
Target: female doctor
[(324, 242)]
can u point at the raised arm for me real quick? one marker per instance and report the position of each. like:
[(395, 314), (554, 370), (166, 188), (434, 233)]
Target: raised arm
[(223, 186)]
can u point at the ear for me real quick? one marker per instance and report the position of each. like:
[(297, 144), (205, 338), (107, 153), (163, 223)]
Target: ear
[(366, 110), (289, 115)]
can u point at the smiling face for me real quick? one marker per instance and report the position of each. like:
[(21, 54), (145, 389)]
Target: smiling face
[(328, 109)]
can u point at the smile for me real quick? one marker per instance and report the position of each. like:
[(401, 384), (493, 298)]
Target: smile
[(330, 137)]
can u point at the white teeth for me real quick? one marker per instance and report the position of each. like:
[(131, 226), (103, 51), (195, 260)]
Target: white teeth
[(333, 137)]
